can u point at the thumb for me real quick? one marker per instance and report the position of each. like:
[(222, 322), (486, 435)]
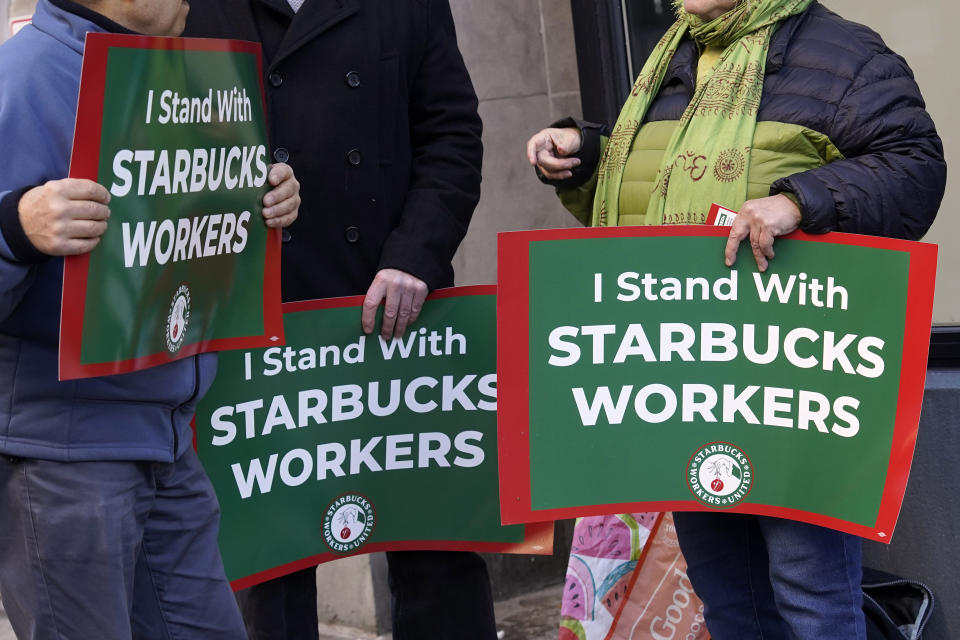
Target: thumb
[(558, 144)]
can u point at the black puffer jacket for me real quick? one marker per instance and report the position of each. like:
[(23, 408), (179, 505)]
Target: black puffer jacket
[(837, 78)]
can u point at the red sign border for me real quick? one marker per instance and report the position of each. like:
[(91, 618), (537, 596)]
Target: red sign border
[(538, 536), (513, 374), (84, 163)]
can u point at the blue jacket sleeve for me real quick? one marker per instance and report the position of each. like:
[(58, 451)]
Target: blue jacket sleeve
[(893, 176), (15, 276), (36, 128)]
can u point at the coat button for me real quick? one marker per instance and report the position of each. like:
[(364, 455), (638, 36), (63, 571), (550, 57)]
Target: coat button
[(286, 236), (352, 234), (352, 79), (275, 78), (354, 157), (280, 154)]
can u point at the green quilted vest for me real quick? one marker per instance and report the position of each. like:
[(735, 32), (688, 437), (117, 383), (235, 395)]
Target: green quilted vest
[(779, 150)]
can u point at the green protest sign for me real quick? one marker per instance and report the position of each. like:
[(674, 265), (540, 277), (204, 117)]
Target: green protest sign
[(638, 373), (357, 445), (175, 129)]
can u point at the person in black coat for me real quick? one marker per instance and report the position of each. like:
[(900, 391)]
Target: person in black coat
[(371, 104)]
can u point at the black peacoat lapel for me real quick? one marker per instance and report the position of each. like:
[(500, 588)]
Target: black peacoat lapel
[(313, 18)]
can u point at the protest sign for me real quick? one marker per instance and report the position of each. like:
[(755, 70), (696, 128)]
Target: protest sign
[(637, 372), (175, 129), (343, 443)]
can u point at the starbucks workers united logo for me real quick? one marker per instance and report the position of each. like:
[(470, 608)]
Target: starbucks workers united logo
[(177, 319), (720, 475), (348, 523)]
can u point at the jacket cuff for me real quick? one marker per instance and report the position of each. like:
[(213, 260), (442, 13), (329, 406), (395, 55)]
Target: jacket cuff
[(792, 197), (589, 153), (434, 276), (20, 246), (817, 206)]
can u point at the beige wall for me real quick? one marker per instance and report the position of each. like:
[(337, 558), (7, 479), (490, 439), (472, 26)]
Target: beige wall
[(4, 8), (13, 8), (921, 31), (520, 54)]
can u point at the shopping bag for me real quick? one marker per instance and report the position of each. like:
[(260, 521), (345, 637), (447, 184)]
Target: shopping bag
[(626, 580)]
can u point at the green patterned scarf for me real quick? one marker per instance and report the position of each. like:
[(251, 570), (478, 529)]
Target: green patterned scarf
[(707, 159)]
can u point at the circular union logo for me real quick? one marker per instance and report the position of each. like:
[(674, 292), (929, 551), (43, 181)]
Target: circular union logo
[(177, 319), (348, 523), (719, 475)]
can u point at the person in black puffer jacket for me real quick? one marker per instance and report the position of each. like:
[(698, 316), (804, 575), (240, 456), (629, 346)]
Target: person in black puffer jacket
[(810, 122)]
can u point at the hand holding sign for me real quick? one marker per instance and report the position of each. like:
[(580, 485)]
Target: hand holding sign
[(686, 385), (175, 130), (65, 217), (281, 205), (356, 444), (762, 220), (402, 295)]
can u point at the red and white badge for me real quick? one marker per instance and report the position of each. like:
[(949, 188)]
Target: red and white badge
[(720, 216)]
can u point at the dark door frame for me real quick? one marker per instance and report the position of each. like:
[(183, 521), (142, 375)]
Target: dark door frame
[(599, 35)]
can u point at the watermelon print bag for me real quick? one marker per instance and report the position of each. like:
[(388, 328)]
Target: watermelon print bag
[(626, 580)]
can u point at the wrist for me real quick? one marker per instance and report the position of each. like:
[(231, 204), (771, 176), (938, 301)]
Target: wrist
[(588, 152), (22, 249)]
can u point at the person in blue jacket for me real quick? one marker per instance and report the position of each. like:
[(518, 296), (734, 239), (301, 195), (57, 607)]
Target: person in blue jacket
[(108, 523)]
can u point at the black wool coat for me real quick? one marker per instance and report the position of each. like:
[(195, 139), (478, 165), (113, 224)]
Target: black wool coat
[(370, 103)]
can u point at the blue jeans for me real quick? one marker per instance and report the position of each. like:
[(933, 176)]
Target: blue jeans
[(437, 595), (771, 579), (113, 551)]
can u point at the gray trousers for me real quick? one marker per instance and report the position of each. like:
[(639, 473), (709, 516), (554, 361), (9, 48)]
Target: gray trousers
[(113, 551)]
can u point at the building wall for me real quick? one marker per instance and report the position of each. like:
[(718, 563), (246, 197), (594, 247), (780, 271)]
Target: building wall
[(921, 31), (521, 56), (10, 9), (4, 16), (522, 59)]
